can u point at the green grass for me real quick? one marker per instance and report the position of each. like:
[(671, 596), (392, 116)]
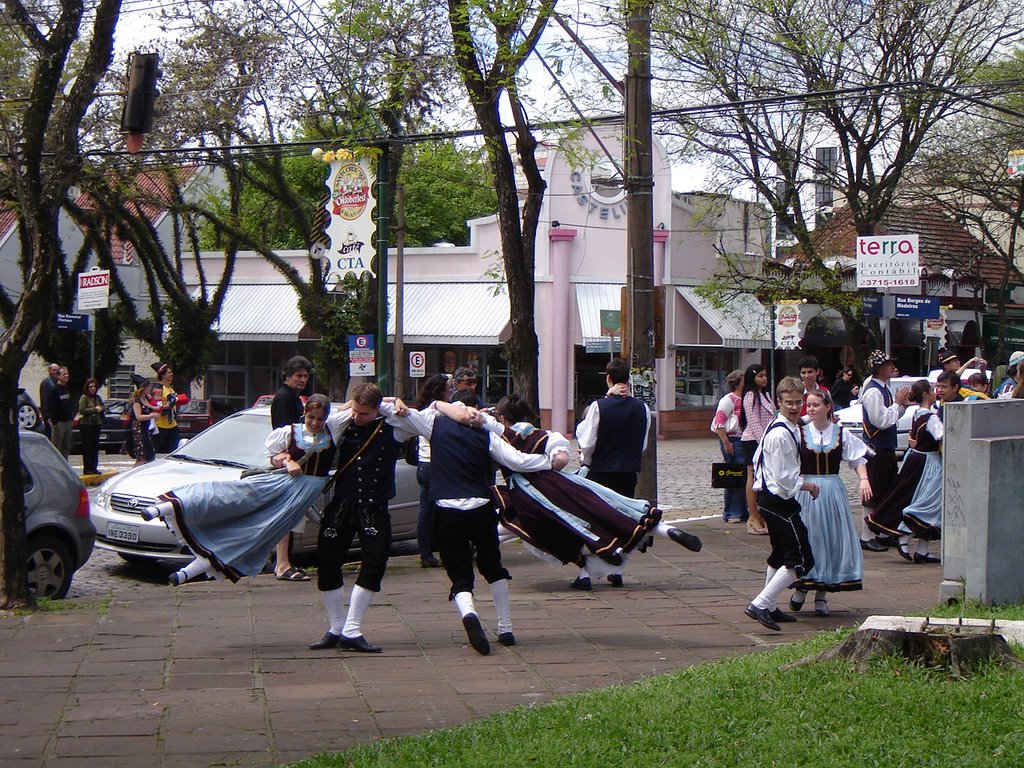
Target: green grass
[(742, 712)]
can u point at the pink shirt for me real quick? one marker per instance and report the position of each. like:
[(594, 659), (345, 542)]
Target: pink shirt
[(760, 413)]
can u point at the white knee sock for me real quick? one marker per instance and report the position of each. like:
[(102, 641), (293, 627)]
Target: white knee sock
[(661, 529), (922, 546), (193, 569), (769, 596), (502, 605), (464, 602), (584, 573), (769, 575), (334, 602), (358, 602)]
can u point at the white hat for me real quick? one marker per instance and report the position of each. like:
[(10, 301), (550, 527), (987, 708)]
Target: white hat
[(1016, 357)]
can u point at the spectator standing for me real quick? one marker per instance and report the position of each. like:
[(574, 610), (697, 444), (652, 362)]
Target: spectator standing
[(90, 409), (62, 413), (46, 395), (285, 409), (1006, 386), (756, 413), (726, 424), (810, 377), (845, 388), (168, 435), (139, 443)]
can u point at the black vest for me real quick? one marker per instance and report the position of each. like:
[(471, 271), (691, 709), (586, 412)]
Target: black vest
[(319, 463), (370, 476), (926, 443), (873, 436), (621, 430), (460, 463)]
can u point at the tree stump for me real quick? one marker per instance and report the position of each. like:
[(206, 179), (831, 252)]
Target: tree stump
[(960, 653)]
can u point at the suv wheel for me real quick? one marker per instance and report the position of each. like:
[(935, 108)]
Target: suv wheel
[(49, 567)]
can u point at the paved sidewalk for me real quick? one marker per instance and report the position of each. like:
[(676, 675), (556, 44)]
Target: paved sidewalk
[(219, 674)]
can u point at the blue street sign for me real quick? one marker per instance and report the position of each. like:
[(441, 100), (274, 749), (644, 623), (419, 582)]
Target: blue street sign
[(73, 322), (921, 307), (873, 305)]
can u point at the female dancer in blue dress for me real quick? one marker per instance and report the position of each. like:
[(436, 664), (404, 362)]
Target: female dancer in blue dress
[(887, 515), (233, 525), (838, 561), (567, 516), (922, 517)]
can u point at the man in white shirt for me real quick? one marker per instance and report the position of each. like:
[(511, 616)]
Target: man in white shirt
[(880, 410), (777, 480)]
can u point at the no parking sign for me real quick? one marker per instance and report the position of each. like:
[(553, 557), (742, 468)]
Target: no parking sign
[(361, 360), (417, 365)]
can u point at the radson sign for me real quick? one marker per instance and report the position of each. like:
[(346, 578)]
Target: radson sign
[(887, 261), (93, 289)]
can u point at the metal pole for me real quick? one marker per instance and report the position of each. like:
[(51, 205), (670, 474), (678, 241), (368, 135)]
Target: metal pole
[(92, 345), (400, 291), (638, 151), (382, 269)]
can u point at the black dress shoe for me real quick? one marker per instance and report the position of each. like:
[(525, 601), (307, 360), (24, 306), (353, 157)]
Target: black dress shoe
[(762, 615), (796, 601), (615, 579), (780, 617), (507, 638), (688, 540), (357, 643), (430, 562), (873, 545), (902, 549), (475, 633), (327, 641), (580, 583), (919, 558)]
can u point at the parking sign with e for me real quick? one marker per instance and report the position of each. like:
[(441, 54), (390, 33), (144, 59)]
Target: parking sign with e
[(417, 365)]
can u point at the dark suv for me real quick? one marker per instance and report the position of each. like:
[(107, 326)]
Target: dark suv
[(57, 523)]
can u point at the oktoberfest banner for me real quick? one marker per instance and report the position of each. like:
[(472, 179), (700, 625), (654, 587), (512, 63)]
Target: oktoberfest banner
[(351, 228), (788, 328)]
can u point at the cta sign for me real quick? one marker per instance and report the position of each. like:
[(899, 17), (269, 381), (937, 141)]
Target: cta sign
[(93, 290), (887, 261)]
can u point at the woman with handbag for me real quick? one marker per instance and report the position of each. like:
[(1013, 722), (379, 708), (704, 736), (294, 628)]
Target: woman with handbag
[(726, 424)]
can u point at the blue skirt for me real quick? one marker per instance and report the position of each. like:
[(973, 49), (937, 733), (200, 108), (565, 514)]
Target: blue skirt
[(835, 545), (237, 523), (923, 516)]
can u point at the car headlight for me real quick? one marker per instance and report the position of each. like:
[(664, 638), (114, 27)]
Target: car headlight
[(101, 499)]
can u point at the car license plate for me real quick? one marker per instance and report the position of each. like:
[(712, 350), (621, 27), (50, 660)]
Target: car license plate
[(129, 534)]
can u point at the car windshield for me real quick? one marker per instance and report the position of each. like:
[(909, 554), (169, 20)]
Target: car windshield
[(237, 440)]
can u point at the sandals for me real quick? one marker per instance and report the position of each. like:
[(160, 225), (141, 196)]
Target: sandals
[(754, 529), (293, 574)]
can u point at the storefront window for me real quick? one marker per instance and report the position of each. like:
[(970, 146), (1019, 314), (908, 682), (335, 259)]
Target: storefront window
[(497, 377), (700, 376)]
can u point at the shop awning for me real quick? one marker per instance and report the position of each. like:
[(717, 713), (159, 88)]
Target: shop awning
[(591, 298), (259, 313), (451, 313), (742, 323)]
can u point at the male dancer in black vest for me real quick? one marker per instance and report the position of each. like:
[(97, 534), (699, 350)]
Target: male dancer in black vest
[(880, 410), (461, 476), (612, 439), (367, 451)]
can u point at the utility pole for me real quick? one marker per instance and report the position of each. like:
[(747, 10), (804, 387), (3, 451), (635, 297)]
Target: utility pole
[(638, 156)]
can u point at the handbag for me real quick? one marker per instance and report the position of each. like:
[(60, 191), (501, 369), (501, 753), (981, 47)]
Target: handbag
[(728, 475)]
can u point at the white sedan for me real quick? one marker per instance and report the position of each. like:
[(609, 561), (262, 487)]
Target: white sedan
[(220, 452)]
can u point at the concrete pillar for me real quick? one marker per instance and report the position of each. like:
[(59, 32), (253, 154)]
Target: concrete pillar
[(561, 325), (982, 502)]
